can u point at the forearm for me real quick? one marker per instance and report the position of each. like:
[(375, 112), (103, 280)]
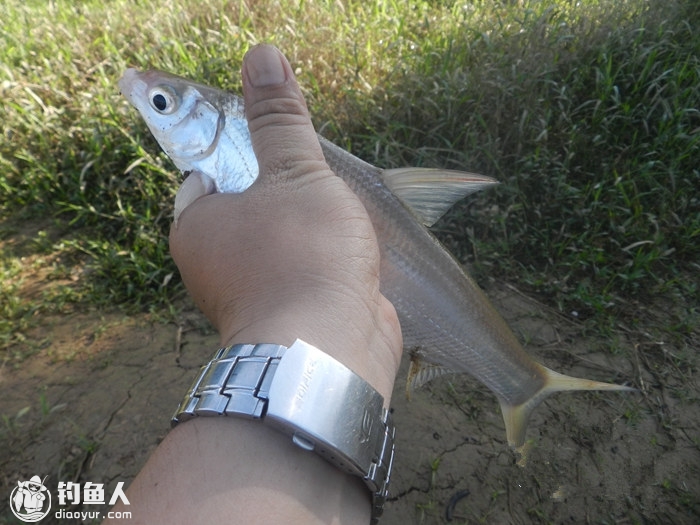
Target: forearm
[(229, 470)]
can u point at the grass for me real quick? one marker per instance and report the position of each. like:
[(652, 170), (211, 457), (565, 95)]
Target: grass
[(587, 112)]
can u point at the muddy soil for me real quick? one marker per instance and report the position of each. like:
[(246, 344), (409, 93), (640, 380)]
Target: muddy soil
[(95, 399)]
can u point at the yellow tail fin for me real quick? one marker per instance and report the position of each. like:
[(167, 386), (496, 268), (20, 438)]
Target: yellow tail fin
[(516, 416)]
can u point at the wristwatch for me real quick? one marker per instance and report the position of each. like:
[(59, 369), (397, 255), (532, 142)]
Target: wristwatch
[(303, 392)]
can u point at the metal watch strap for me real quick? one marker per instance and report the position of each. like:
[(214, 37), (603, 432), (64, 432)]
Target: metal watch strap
[(305, 393)]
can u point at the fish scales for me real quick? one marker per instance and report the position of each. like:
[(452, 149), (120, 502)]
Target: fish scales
[(449, 322), (446, 320)]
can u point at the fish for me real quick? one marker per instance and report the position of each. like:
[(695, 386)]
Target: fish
[(447, 322)]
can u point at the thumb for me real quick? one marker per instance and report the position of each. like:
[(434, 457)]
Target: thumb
[(282, 134)]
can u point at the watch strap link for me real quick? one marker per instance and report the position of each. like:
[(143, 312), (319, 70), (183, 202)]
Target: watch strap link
[(235, 382), (305, 393)]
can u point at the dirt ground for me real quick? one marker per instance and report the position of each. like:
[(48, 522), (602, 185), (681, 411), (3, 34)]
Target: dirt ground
[(94, 401)]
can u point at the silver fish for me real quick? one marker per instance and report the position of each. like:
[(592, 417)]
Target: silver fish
[(447, 322)]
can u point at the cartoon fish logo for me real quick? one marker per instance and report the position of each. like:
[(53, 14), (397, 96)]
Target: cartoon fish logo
[(30, 500)]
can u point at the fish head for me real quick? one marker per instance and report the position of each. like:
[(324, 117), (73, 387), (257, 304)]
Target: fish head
[(186, 118)]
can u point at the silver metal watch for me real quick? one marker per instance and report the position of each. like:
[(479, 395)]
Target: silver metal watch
[(303, 392)]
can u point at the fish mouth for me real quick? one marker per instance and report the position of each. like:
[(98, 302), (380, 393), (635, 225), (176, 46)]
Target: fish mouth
[(131, 86)]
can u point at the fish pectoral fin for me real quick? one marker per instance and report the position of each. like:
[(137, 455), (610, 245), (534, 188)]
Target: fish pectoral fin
[(517, 416), (419, 373), (196, 185), (429, 193)]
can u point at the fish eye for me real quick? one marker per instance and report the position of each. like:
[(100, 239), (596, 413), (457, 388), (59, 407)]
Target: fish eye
[(163, 100)]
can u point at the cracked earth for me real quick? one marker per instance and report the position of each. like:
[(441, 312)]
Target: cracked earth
[(96, 399)]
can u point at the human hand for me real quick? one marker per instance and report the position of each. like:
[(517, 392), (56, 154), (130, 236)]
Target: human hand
[(295, 255)]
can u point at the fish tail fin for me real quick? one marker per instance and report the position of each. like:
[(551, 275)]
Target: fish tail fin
[(516, 416)]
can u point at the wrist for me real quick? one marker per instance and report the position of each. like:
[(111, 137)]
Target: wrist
[(364, 336)]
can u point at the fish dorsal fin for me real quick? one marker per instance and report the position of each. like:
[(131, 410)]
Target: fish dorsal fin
[(429, 193), (419, 373)]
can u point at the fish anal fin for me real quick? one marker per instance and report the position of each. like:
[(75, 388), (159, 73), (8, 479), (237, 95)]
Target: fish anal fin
[(419, 373), (429, 193), (516, 416)]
